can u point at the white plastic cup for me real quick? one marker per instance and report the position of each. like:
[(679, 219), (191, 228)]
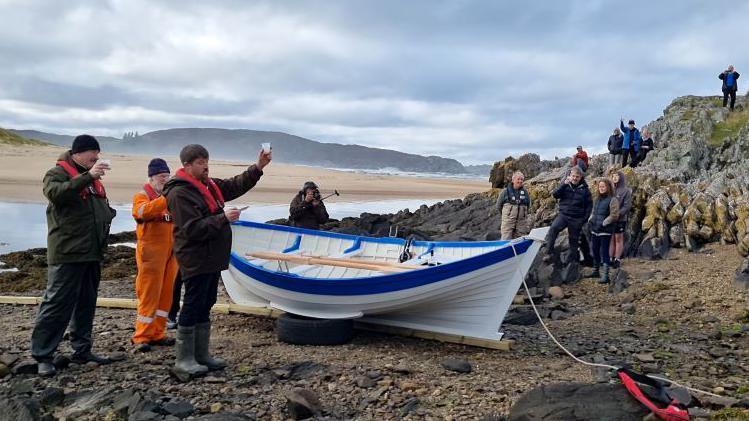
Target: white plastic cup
[(107, 162), (266, 147)]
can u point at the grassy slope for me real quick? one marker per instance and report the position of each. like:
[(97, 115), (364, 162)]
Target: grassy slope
[(729, 128), (10, 138)]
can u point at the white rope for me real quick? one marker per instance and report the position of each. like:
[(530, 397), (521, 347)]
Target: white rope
[(611, 367)]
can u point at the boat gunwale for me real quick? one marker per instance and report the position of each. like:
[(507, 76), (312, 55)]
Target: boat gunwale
[(376, 284)]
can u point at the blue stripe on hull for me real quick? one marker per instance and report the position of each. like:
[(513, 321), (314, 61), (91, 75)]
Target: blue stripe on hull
[(374, 284)]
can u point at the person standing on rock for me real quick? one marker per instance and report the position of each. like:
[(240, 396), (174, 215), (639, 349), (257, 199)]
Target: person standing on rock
[(624, 196), (730, 85), (575, 205), (202, 244), (615, 147), (514, 203), (602, 222), (154, 256), (307, 209), (631, 142), (78, 222)]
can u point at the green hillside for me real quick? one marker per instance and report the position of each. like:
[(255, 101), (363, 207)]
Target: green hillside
[(10, 138)]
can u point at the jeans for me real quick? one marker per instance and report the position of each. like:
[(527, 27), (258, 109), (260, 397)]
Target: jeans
[(726, 94), (70, 298), (200, 296), (615, 159), (599, 245)]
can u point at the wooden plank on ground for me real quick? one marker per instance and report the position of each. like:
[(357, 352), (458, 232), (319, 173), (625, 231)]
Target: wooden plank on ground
[(129, 303), (503, 344)]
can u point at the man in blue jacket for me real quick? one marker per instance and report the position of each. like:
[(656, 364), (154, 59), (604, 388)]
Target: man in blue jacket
[(575, 205), (631, 143), (730, 84)]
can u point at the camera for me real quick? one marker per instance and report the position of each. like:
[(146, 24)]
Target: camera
[(316, 194)]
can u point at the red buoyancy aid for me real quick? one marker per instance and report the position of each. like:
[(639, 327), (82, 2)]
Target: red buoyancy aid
[(675, 411), (97, 188), (212, 197), (150, 192), (152, 195)]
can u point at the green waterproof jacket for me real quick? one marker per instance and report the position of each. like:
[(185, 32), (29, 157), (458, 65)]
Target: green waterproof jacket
[(77, 228)]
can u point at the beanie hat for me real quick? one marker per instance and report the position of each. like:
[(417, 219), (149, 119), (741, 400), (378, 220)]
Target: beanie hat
[(157, 166), (83, 143), (631, 122)]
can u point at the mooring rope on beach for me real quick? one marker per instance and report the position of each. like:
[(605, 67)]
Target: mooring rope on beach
[(607, 366)]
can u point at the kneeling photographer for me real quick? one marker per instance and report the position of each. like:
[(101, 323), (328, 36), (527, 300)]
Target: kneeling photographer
[(307, 210)]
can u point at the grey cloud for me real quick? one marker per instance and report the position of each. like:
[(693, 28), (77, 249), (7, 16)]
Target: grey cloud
[(468, 79)]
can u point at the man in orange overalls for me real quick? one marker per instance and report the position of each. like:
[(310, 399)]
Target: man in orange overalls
[(157, 266)]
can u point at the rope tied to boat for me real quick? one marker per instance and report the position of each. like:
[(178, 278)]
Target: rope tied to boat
[(607, 366)]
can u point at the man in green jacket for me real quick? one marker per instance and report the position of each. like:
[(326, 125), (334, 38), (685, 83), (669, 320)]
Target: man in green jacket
[(78, 221), (202, 245)]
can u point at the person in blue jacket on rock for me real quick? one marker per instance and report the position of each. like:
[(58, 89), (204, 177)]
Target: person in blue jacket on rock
[(730, 84), (631, 143)]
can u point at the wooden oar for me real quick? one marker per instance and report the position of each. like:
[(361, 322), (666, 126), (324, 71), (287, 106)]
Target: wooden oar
[(367, 262), (329, 261)]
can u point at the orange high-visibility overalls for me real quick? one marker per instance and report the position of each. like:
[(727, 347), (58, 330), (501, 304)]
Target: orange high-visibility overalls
[(157, 266)]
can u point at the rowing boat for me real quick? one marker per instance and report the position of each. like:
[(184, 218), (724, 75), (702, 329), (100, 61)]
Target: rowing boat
[(454, 287)]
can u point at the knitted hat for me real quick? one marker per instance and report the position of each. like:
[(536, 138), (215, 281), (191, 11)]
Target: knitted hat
[(83, 143), (631, 122), (157, 166)]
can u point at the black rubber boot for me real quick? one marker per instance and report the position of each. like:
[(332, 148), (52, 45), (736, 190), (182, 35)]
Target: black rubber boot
[(185, 351), (202, 342)]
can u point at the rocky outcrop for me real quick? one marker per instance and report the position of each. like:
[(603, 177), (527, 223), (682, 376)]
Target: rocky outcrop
[(692, 190), (501, 173)]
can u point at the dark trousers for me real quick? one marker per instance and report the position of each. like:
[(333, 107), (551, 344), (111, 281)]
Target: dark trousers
[(600, 248), (574, 227), (70, 297), (626, 153), (200, 296), (176, 296), (725, 98)]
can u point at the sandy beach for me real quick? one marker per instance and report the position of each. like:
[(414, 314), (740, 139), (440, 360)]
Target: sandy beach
[(22, 169)]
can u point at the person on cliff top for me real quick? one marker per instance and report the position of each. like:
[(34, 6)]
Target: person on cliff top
[(514, 203), (78, 222), (624, 195), (615, 147), (575, 204), (631, 142), (202, 244), (646, 146), (602, 222), (581, 159), (154, 256), (730, 78), (307, 209)]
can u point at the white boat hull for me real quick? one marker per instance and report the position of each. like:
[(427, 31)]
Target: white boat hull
[(451, 298)]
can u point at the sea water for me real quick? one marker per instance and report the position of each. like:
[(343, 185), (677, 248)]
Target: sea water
[(24, 225)]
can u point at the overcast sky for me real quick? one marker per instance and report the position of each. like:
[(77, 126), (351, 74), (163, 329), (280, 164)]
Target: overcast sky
[(471, 80)]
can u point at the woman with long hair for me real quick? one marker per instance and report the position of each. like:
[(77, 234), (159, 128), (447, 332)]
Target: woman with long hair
[(601, 223), (624, 194)]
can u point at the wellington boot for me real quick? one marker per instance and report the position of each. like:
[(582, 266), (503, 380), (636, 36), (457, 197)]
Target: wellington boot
[(596, 273), (604, 275), (185, 351), (202, 342)]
